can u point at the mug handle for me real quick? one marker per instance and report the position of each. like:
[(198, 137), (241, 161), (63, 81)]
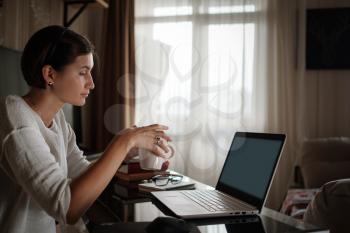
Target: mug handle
[(171, 154)]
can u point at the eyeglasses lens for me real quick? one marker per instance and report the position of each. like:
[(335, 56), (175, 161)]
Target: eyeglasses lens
[(176, 179), (160, 181)]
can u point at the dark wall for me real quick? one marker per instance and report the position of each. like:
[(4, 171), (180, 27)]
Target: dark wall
[(11, 79)]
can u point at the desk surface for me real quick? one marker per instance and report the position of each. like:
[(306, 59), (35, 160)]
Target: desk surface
[(133, 206)]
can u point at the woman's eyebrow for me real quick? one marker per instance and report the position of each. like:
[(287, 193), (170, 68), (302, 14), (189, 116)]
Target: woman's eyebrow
[(87, 67)]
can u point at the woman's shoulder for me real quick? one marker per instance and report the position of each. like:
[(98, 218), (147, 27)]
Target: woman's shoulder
[(15, 113), (15, 105)]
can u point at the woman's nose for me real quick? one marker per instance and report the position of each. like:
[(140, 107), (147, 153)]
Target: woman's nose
[(90, 83)]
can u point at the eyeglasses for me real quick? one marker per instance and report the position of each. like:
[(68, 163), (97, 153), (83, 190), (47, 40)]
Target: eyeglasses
[(162, 180)]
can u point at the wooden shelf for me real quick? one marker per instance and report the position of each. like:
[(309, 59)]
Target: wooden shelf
[(103, 3), (81, 4), (92, 3)]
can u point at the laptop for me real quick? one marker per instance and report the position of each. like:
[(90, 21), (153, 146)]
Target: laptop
[(243, 183)]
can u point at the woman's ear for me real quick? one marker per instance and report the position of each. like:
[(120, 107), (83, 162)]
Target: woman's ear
[(48, 73)]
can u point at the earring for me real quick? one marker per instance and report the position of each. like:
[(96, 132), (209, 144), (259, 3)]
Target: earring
[(50, 83)]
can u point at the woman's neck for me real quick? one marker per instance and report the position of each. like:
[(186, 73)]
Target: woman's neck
[(44, 103)]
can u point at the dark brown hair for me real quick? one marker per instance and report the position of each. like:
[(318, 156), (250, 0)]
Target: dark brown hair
[(53, 45)]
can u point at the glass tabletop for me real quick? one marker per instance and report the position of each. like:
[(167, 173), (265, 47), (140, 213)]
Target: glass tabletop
[(140, 208)]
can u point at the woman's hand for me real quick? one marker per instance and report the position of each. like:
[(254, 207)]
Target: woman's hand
[(147, 137), (131, 154)]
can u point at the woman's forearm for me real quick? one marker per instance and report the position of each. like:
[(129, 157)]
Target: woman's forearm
[(86, 188)]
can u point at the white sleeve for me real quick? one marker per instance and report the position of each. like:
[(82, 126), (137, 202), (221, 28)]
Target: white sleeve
[(37, 172), (77, 163)]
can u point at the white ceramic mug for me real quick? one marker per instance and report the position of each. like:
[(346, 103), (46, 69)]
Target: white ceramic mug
[(150, 161)]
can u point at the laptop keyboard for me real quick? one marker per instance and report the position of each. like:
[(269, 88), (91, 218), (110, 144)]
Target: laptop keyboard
[(213, 200)]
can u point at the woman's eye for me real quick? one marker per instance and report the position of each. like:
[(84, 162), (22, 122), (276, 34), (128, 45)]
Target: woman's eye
[(82, 73)]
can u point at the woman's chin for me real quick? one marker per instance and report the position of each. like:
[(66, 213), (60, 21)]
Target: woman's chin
[(79, 103)]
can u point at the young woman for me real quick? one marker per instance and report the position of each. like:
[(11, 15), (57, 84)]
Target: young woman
[(43, 174)]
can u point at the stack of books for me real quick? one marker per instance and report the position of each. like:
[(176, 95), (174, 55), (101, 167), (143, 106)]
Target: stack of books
[(131, 171), (125, 189)]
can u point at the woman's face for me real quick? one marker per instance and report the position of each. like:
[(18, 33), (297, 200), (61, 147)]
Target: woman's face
[(74, 83)]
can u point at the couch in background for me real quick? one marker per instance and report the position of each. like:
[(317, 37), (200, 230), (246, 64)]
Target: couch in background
[(322, 160), (325, 159), (325, 167)]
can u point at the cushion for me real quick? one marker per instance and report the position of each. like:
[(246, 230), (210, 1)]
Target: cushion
[(331, 206)]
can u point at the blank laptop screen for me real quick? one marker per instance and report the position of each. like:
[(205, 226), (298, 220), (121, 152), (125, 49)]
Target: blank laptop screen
[(250, 164)]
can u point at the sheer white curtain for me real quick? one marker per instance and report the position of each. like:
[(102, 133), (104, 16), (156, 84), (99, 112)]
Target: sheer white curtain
[(198, 73), (210, 68)]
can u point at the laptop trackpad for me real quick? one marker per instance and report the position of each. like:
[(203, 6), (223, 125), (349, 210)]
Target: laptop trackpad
[(178, 200), (183, 205)]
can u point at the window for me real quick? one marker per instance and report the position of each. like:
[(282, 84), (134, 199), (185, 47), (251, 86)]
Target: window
[(195, 73), (197, 49)]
